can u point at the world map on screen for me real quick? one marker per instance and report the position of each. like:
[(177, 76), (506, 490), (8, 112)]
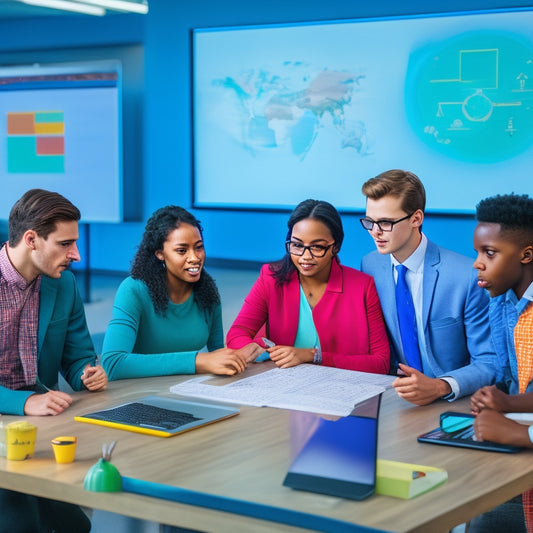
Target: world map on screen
[(288, 108)]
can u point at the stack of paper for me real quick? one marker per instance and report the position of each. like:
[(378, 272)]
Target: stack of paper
[(312, 388)]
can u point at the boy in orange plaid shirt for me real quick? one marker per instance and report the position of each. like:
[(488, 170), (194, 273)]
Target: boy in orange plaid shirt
[(503, 240)]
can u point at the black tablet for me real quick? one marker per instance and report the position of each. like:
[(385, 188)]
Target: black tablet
[(457, 429)]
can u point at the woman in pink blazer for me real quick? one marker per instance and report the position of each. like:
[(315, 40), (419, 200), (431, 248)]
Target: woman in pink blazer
[(312, 308)]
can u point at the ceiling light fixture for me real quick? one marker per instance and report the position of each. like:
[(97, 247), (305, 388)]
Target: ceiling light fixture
[(121, 5), (66, 5)]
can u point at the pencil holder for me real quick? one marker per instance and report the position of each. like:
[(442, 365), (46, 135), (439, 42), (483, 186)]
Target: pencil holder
[(64, 449), (20, 441)]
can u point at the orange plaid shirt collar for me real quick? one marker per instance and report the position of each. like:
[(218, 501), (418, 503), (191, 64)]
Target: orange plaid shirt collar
[(523, 340)]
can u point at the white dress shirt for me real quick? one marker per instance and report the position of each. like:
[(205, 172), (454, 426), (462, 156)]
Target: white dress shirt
[(414, 278)]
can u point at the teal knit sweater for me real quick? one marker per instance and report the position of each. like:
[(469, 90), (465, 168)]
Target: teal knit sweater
[(140, 343)]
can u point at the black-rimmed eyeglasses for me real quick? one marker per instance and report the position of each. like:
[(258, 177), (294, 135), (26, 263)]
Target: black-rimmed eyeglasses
[(383, 225), (316, 250)]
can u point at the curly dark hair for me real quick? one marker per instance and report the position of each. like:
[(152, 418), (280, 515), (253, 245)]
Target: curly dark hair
[(318, 210), (149, 269), (513, 212)]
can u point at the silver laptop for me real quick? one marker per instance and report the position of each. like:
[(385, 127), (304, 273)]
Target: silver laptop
[(163, 417)]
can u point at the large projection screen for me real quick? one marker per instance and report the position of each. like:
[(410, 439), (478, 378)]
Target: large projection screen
[(283, 113), (61, 130)]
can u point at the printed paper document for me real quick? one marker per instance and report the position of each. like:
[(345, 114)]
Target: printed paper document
[(312, 388)]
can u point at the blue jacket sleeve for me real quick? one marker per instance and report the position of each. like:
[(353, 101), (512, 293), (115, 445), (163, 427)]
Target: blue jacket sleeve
[(483, 368)]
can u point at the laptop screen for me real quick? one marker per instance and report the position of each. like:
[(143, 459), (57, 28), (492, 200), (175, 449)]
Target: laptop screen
[(336, 457)]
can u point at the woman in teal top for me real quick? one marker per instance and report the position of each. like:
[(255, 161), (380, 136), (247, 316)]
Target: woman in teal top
[(169, 308)]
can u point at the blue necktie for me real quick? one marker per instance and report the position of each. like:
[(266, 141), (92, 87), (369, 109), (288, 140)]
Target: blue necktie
[(407, 320)]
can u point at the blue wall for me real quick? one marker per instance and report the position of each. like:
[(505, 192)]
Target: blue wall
[(157, 158)]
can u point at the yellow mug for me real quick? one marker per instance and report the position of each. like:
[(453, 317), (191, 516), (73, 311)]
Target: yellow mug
[(20, 440), (64, 449)]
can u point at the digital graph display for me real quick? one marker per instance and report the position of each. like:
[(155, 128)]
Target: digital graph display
[(61, 130)]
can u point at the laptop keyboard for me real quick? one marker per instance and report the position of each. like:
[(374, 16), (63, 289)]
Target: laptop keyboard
[(143, 415)]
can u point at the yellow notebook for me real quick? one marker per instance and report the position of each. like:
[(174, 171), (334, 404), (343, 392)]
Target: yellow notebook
[(405, 480)]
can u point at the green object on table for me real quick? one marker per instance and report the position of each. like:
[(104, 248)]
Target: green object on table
[(103, 476)]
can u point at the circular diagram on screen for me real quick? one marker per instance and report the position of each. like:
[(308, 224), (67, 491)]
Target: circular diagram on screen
[(471, 98)]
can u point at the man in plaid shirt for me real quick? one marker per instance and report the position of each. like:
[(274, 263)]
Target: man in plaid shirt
[(43, 332)]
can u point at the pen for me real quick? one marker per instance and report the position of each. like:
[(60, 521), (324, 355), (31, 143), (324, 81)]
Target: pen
[(41, 388), (268, 342)]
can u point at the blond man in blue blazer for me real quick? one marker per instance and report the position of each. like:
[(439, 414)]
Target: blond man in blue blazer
[(451, 330)]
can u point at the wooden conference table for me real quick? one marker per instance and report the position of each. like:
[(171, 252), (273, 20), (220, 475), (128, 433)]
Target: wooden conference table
[(246, 457)]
